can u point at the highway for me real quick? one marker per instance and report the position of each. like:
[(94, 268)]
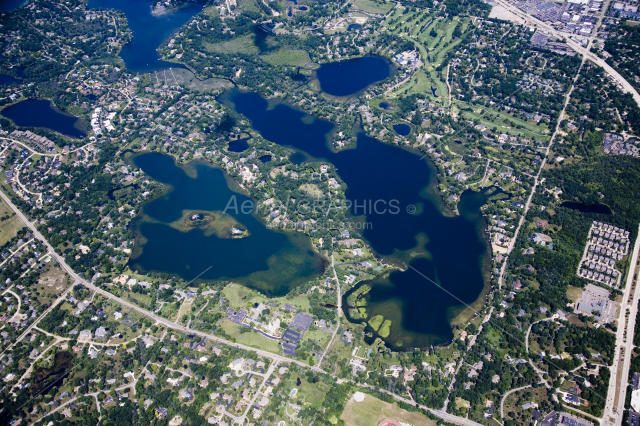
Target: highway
[(624, 340), (534, 22)]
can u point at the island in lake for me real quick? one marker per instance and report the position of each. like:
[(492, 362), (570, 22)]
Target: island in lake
[(211, 223)]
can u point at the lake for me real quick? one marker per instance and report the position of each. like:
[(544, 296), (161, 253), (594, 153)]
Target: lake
[(450, 250), (270, 261), (6, 80), (350, 77), (42, 113), (149, 32), (9, 5), (402, 129), (587, 208)]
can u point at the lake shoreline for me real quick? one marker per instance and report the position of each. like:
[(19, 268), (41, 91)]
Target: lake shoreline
[(270, 270), (79, 124)]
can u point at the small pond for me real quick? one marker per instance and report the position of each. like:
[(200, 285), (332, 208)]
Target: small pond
[(265, 158), (354, 27), (239, 145), (346, 78), (587, 208), (6, 80), (402, 129), (434, 90)]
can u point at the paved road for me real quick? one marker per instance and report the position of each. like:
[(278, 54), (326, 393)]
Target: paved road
[(623, 340), (339, 303), (537, 179), (505, 397)]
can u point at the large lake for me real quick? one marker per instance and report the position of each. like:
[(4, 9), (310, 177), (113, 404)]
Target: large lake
[(149, 32), (450, 250), (350, 77), (9, 5), (267, 260), (42, 113)]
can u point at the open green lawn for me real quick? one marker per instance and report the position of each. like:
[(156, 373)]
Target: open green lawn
[(9, 227), (140, 298), (313, 393), (250, 338), (291, 57), (373, 6), (244, 44), (319, 336), (529, 128), (432, 50), (372, 412), (396, 13), (186, 77), (240, 296), (168, 311)]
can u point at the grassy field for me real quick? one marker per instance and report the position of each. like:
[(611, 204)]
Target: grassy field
[(291, 57), (51, 284), (250, 338), (240, 296), (140, 298), (417, 27), (186, 77), (313, 393), (372, 412), (574, 293), (371, 6), (168, 311), (319, 336), (8, 227), (495, 118), (242, 44)]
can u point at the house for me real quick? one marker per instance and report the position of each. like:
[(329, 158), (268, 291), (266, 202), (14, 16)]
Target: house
[(176, 421), (85, 335), (541, 239), (236, 365), (102, 333), (186, 394), (529, 405)]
